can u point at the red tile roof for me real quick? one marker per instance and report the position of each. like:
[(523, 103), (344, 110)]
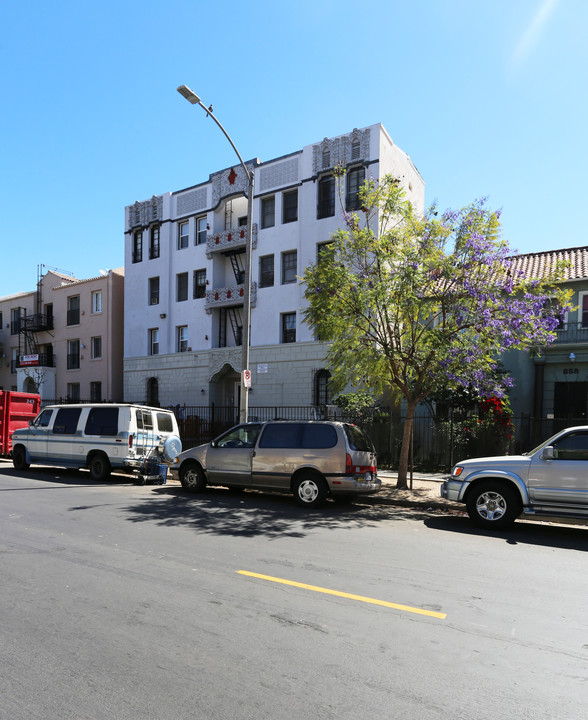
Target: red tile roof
[(539, 265)]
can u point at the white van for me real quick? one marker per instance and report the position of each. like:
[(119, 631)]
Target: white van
[(99, 437)]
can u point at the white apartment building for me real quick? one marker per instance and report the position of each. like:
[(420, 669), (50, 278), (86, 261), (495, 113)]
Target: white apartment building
[(184, 272), (64, 339)]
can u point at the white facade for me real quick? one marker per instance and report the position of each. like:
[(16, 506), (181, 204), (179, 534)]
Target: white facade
[(184, 255)]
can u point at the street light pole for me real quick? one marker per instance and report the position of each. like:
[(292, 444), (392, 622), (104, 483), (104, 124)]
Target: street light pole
[(191, 97)]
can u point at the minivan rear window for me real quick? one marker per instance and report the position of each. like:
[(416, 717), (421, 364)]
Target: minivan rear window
[(318, 436), (66, 421), (102, 421), (358, 440)]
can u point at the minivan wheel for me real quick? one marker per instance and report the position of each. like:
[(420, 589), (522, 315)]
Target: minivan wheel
[(99, 467), (192, 477), (493, 504), (310, 491), (19, 458)]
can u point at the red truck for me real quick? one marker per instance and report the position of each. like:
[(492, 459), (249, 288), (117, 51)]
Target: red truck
[(16, 409)]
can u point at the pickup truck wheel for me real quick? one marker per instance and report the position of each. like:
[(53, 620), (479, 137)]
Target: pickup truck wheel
[(99, 467), (19, 458), (192, 477), (310, 491), (493, 505)]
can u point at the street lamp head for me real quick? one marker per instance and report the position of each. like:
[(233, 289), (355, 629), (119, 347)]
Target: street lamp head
[(189, 94)]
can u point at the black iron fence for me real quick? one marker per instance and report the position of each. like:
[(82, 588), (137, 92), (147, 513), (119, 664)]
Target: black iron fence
[(437, 442)]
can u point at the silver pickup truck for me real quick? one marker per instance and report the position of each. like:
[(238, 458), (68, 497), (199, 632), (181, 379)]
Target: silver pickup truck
[(551, 480)]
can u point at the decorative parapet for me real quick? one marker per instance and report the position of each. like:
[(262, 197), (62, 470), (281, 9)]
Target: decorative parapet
[(229, 296), (230, 182), (344, 150), (230, 239), (146, 212)]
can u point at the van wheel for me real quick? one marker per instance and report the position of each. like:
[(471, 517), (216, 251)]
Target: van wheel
[(99, 467), (19, 458), (192, 477), (493, 504), (310, 491)]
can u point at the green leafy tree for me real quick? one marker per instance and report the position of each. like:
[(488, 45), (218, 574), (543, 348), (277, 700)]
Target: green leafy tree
[(413, 304)]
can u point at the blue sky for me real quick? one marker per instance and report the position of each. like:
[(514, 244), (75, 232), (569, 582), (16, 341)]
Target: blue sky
[(488, 99)]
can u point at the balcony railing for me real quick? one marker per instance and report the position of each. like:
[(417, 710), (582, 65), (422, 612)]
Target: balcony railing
[(230, 239), (37, 360), (572, 333), (228, 296), (37, 323)]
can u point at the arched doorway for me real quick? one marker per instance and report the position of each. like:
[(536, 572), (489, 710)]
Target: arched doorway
[(30, 386), (153, 392)]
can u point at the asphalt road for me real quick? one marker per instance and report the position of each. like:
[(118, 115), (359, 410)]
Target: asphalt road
[(118, 601)]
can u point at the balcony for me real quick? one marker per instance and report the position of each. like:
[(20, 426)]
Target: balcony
[(229, 296), (36, 323), (36, 360), (572, 334), (227, 240)]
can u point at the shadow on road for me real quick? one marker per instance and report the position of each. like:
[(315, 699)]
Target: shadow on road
[(572, 537), (216, 511), (61, 476)]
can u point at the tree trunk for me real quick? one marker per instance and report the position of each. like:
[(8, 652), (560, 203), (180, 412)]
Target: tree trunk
[(405, 449)]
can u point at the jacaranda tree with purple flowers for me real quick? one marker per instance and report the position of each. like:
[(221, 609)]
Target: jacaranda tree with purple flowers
[(417, 304)]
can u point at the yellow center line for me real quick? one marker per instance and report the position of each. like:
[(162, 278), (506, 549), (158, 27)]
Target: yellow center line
[(326, 591)]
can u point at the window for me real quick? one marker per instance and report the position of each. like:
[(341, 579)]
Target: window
[(73, 354), (96, 396), (154, 291), (164, 422), (288, 327), (97, 301), (242, 221), (182, 338), (266, 271), (102, 421), (239, 437), (355, 180), (199, 283), (571, 447), (73, 392), (322, 250), (183, 235), (326, 158), (73, 310), (1, 325), (137, 246), (268, 212), (66, 421), (154, 242), (153, 341), (322, 395), (201, 231), (355, 150), (96, 347), (15, 321), (583, 310), (289, 267), (326, 197), (290, 206), (182, 287)]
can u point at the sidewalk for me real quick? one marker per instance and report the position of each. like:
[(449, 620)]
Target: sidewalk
[(424, 493)]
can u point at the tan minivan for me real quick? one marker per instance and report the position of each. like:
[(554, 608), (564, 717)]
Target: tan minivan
[(312, 459)]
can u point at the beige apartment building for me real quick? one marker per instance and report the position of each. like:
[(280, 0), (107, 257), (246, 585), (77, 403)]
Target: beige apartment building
[(65, 339)]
